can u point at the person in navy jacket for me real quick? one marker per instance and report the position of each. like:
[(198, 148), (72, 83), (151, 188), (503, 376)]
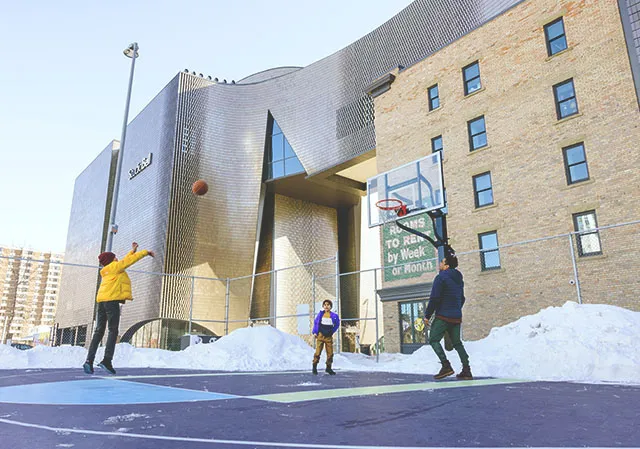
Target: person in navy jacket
[(324, 326), (446, 301)]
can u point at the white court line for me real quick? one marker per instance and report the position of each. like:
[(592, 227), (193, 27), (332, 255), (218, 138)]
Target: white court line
[(215, 441)]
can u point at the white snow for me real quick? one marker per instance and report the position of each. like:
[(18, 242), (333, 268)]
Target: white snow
[(580, 343), (124, 418)]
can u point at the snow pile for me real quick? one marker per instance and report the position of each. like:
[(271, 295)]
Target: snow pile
[(585, 343), (12, 358), (55, 357), (592, 342), (261, 348)]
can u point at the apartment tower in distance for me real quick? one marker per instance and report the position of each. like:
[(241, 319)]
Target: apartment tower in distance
[(30, 284)]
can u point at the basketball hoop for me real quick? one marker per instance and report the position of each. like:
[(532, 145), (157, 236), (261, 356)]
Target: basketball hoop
[(392, 204), (395, 206)]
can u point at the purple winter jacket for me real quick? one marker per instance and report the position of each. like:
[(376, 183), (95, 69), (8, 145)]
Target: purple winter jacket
[(334, 319)]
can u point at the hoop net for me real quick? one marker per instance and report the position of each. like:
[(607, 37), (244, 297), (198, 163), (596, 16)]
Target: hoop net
[(392, 206), (389, 204)]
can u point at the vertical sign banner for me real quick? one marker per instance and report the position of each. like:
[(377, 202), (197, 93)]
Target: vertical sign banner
[(405, 254)]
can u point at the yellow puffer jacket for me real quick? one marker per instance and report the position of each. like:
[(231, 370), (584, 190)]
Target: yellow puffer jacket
[(115, 284)]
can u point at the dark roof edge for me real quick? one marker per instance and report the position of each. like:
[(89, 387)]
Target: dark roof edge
[(414, 291)]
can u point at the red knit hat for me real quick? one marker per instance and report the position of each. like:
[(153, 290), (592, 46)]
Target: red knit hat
[(106, 258)]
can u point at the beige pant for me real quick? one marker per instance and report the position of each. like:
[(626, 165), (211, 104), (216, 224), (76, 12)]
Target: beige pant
[(321, 342)]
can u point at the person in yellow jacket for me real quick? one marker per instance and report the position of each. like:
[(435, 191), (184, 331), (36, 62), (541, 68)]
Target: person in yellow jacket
[(115, 289)]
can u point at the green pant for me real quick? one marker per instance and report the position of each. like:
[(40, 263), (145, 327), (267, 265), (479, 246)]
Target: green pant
[(438, 328)]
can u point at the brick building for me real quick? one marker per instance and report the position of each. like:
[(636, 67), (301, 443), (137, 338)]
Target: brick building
[(536, 113)]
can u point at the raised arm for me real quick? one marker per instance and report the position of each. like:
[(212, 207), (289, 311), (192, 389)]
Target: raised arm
[(131, 258)]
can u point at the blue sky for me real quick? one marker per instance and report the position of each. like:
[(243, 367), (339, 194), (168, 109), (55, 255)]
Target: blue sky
[(64, 79)]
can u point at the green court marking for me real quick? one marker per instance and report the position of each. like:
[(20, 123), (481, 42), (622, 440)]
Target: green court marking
[(300, 396), (163, 376)]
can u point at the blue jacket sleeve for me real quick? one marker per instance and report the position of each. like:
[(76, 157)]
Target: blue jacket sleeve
[(434, 298), (316, 323), (336, 322)]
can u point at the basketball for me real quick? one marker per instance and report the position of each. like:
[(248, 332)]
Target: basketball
[(199, 187)]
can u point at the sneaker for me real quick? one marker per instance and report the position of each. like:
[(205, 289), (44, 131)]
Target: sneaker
[(107, 367), (315, 370), (465, 374), (330, 371), (445, 371), (88, 367)]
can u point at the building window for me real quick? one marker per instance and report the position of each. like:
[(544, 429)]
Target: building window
[(434, 97), (281, 157), (489, 252), (471, 75), (555, 37), (412, 329), (575, 163), (588, 238), (483, 190), (436, 144), (477, 133), (565, 95)]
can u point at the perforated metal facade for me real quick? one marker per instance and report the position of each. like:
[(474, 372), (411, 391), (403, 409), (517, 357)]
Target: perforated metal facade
[(630, 14), (85, 241)]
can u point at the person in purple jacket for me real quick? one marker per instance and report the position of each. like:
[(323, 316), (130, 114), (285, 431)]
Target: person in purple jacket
[(324, 326)]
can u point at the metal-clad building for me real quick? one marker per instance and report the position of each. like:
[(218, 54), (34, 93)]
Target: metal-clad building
[(85, 233)]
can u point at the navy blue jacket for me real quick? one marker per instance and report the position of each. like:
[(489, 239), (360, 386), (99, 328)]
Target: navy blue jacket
[(447, 295)]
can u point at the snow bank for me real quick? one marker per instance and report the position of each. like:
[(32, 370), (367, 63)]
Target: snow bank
[(584, 343)]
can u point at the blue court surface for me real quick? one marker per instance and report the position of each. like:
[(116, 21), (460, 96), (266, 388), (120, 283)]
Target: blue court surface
[(156, 409)]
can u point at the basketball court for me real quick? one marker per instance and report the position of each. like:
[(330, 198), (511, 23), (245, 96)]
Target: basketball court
[(145, 408)]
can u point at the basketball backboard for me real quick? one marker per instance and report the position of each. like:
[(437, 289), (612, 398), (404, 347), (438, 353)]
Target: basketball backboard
[(417, 184)]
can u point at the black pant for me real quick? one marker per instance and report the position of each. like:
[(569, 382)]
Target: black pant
[(108, 312)]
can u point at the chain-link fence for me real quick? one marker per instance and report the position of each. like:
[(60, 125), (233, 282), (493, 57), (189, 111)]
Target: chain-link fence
[(504, 282), (381, 308), (509, 281), (285, 298)]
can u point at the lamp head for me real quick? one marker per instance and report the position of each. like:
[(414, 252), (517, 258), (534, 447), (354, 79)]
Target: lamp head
[(130, 50)]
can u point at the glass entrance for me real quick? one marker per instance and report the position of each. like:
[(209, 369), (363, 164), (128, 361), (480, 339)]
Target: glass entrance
[(413, 334)]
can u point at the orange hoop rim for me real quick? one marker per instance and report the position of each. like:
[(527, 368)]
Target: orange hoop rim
[(383, 204)]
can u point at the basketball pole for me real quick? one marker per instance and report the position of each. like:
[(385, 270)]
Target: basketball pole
[(441, 238), (130, 52)]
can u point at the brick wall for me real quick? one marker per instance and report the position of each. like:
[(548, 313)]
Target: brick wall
[(391, 322), (525, 157)]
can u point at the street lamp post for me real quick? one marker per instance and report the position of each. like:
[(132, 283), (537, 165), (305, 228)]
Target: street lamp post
[(130, 52)]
